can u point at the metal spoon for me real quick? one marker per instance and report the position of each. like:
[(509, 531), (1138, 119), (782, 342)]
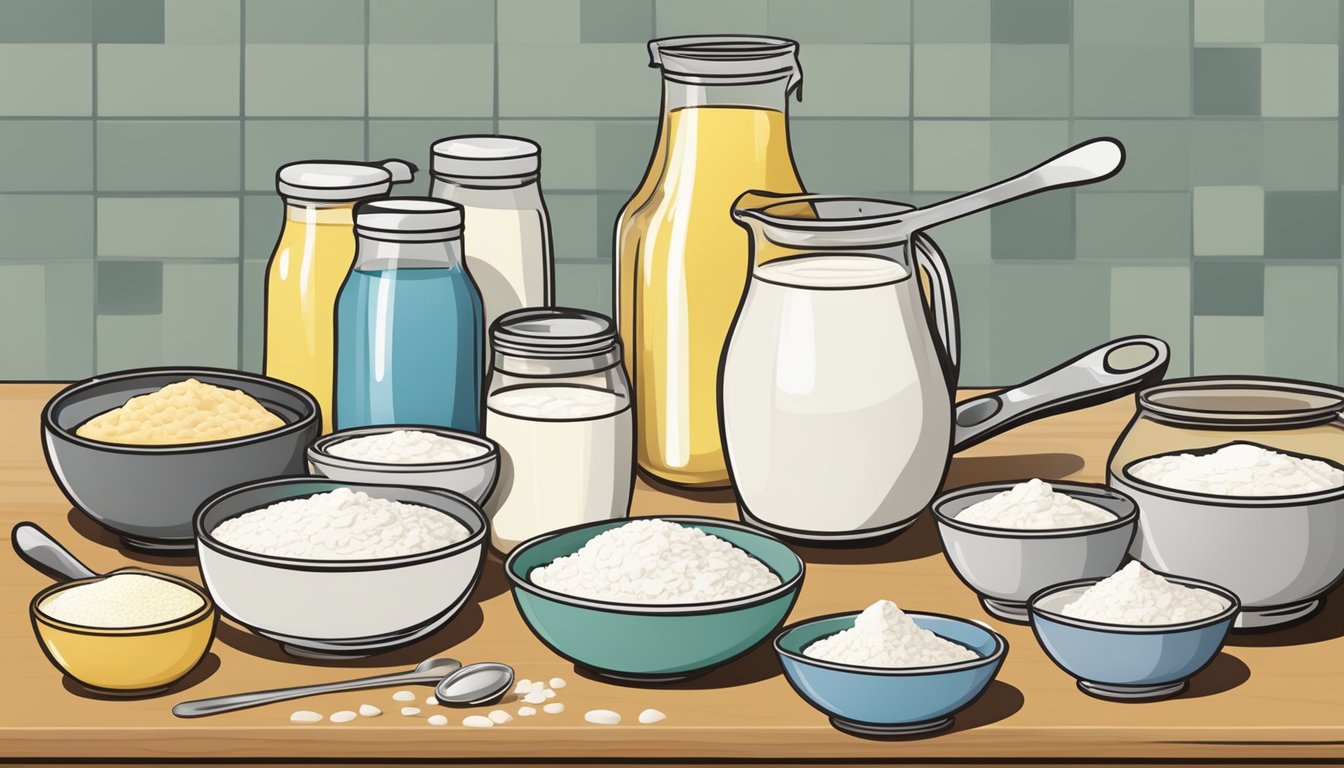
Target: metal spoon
[(37, 548), (427, 672), (474, 685)]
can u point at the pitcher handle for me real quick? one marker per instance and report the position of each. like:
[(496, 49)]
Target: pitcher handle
[(943, 302)]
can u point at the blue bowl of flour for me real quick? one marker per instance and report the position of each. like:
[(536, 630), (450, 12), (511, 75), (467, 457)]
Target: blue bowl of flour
[(1129, 662), (891, 702)]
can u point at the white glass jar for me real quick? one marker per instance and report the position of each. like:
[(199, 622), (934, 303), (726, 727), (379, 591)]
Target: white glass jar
[(506, 233), (558, 405)]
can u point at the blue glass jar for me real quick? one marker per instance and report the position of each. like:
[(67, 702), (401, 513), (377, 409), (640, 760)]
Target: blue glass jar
[(409, 321)]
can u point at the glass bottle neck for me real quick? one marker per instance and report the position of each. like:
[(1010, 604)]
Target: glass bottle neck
[(771, 94), (308, 212), (377, 255), (545, 367)]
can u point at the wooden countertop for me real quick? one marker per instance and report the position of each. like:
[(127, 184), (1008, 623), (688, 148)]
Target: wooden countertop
[(1277, 696)]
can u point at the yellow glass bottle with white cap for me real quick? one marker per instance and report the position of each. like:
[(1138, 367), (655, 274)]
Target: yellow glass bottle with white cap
[(681, 263), (311, 259)]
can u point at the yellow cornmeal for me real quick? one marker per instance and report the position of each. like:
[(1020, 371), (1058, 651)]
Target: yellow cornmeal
[(182, 412)]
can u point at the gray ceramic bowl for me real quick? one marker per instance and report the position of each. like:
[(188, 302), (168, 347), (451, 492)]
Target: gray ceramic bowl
[(473, 478), (340, 608), (1279, 554), (1007, 566), (147, 494)]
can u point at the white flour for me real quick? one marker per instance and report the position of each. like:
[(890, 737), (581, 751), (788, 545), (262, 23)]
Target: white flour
[(1034, 505), (340, 525), (405, 446), (1240, 469), (1136, 595), (656, 562), (884, 636), (122, 600)]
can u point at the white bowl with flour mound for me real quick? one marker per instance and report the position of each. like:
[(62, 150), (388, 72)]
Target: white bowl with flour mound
[(1262, 522), (409, 454), (1006, 541), (334, 570)]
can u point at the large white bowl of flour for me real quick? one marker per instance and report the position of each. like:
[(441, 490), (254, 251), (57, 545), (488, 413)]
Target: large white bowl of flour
[(1264, 523), (334, 569)]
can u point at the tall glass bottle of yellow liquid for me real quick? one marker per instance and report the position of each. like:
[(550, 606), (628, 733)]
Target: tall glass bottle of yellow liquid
[(681, 263), (311, 259)]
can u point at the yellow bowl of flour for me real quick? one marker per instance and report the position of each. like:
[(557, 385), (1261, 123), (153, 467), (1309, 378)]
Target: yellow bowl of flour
[(131, 632)]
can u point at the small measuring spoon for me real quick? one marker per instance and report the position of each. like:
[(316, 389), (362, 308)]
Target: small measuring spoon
[(37, 548), (427, 672), (475, 685)]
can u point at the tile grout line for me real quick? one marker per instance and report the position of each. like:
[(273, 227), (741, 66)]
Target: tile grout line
[(93, 119), (242, 182), (368, 14), (494, 116)]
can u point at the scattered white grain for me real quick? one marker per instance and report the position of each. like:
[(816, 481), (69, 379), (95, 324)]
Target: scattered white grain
[(523, 686), (656, 562), (602, 717), (368, 710), (527, 711), (885, 636), (548, 693), (554, 708), (305, 716), (537, 686), (403, 696), (537, 697), (431, 701), (499, 716), (344, 716), (558, 682), (437, 720), (651, 716), (1136, 595), (478, 721), (410, 711), (1034, 505)]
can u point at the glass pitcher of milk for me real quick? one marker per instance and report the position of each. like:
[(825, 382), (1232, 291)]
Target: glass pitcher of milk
[(836, 393)]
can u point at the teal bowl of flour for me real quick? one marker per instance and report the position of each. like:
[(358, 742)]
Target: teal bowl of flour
[(649, 643)]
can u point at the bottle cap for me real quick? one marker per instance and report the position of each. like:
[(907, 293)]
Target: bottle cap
[(486, 157), (336, 181), (728, 60), (405, 219), (553, 332)]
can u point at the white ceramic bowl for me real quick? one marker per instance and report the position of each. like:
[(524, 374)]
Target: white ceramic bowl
[(473, 478), (1279, 554), (339, 608)]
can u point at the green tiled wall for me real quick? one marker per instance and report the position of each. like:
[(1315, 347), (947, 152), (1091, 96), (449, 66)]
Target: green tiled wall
[(139, 140)]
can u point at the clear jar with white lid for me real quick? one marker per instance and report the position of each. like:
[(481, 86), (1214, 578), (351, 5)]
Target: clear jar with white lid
[(558, 405), (507, 233)]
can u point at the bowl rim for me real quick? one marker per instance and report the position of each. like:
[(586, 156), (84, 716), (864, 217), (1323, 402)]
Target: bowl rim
[(1149, 403), (785, 587), (1000, 648), (206, 538), (1034, 610), (1127, 476), (202, 613), (309, 417), (1128, 517), (318, 454)]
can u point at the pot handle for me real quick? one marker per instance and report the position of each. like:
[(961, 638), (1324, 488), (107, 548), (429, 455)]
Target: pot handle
[(943, 302), (1113, 369)]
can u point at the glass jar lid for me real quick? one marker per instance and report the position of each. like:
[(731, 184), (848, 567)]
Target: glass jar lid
[(1242, 401), (553, 332), (486, 157), (337, 181), (408, 219), (727, 60)]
